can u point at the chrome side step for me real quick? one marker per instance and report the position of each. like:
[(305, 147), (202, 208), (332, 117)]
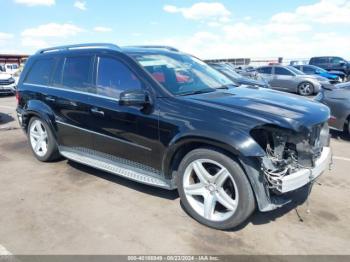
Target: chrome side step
[(117, 166)]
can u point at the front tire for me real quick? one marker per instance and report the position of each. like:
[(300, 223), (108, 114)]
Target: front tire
[(214, 189), (41, 140), (306, 89)]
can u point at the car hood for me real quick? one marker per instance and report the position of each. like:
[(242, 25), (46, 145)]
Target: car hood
[(338, 73), (260, 106), (328, 75), (4, 76)]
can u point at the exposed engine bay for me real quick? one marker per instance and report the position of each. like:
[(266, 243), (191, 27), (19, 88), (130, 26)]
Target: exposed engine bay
[(288, 151)]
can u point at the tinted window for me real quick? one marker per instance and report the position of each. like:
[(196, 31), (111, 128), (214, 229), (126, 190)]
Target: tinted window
[(57, 74), (309, 70), (282, 71), (265, 70), (77, 73), (320, 60), (337, 60), (299, 67), (40, 72), (114, 77)]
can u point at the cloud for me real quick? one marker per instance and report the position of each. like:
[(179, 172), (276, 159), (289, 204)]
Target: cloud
[(52, 30), (80, 5), (36, 2), (48, 34), (34, 43), (310, 29), (102, 29), (202, 11), (5, 37), (323, 12)]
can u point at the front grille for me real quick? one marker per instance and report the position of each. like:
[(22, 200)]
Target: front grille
[(5, 82)]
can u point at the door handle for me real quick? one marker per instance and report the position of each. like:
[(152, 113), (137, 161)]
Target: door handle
[(96, 111), (50, 99)]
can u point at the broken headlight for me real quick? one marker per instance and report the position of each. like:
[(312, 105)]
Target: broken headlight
[(288, 151)]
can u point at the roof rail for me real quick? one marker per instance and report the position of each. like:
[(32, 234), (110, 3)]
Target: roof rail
[(170, 48), (79, 46)]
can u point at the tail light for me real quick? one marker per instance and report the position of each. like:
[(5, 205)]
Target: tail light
[(17, 97)]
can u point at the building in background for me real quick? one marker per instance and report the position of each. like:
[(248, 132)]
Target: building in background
[(13, 59)]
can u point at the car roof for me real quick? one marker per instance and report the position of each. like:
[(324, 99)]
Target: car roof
[(93, 47), (148, 50)]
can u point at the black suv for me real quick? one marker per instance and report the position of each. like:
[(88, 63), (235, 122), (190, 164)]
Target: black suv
[(166, 119), (332, 63)]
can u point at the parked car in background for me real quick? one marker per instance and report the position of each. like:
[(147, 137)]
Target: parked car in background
[(11, 68), (226, 149), (334, 78), (247, 71), (338, 100), (332, 63), (7, 84), (237, 78), (290, 79)]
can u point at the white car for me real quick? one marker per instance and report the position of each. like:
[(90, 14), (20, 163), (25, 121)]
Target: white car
[(11, 68), (7, 84)]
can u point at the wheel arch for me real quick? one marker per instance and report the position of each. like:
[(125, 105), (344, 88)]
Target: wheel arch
[(244, 146), (249, 164), (36, 108)]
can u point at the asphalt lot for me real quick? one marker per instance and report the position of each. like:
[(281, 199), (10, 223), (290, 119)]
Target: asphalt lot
[(66, 208)]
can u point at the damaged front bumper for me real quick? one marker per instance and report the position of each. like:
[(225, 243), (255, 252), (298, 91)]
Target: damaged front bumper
[(304, 176)]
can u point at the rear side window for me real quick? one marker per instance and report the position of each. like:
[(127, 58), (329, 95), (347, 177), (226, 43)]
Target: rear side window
[(282, 71), (77, 73), (265, 70), (40, 72), (319, 60), (113, 77)]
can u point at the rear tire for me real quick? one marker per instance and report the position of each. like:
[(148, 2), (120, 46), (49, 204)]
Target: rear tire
[(214, 189), (306, 89), (42, 141)]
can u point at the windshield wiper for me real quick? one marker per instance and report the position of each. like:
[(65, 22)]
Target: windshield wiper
[(226, 86), (197, 92)]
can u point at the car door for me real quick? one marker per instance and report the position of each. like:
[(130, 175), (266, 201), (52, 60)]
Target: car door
[(70, 97), (266, 73), (126, 132), (337, 64), (283, 79), (338, 100)]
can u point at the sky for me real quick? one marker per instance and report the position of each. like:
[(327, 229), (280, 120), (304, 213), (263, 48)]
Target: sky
[(207, 29)]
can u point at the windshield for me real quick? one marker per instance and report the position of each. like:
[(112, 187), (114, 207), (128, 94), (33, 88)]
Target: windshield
[(296, 71), (182, 74), (319, 69)]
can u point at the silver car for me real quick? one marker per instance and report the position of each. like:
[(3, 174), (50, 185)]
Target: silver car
[(338, 100), (290, 79)]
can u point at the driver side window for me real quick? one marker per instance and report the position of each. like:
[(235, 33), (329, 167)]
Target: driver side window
[(113, 78)]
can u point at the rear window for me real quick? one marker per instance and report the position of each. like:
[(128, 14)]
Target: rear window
[(77, 73), (40, 72)]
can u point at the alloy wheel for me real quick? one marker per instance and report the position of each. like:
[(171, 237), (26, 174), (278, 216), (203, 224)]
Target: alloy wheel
[(210, 190), (38, 138), (305, 89)]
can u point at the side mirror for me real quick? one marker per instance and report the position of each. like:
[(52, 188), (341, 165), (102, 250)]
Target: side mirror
[(342, 63), (134, 98)]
